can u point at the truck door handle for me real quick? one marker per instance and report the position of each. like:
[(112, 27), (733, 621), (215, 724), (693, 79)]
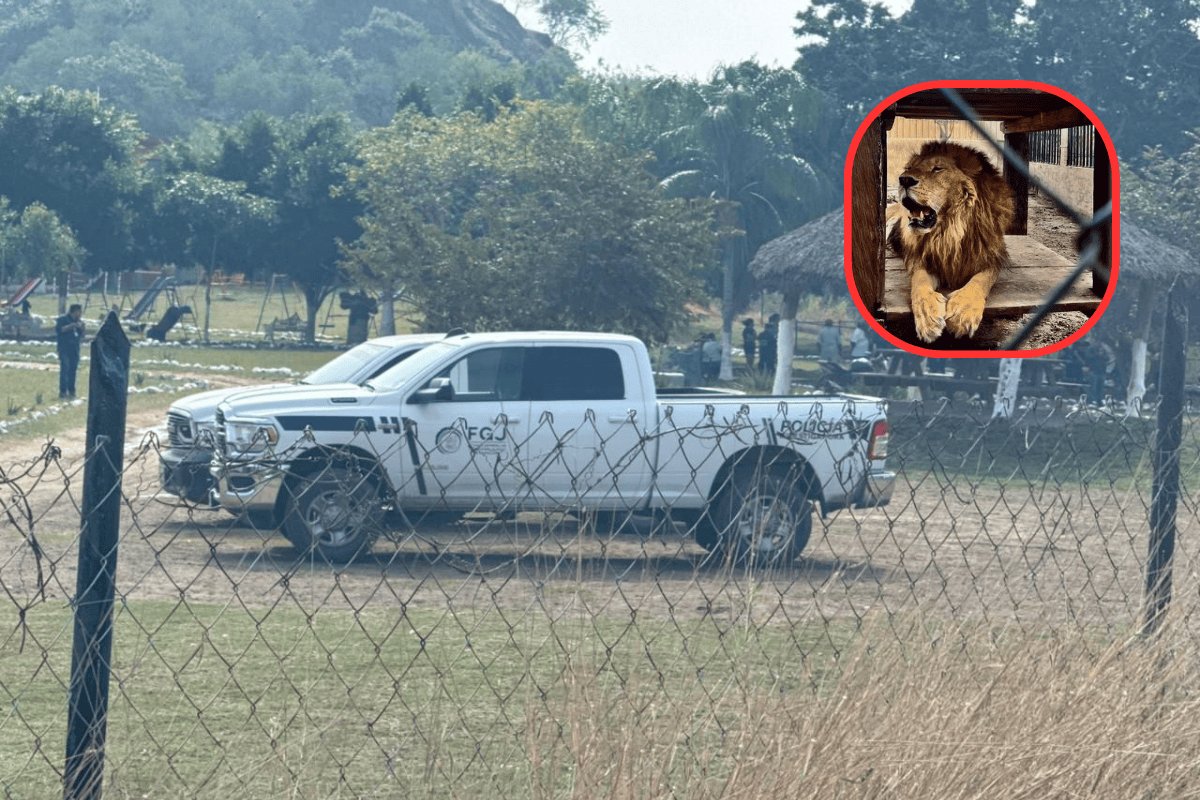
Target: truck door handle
[(628, 416), (502, 419)]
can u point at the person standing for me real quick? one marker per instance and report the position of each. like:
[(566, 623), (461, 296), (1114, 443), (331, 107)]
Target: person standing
[(749, 341), (68, 330), (860, 348), (829, 342), (768, 344), (710, 357)]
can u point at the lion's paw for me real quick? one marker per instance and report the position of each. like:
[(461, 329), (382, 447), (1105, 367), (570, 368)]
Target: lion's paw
[(964, 311), (929, 314)]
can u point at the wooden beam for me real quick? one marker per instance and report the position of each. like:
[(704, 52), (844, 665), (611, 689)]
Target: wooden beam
[(1035, 272), (1068, 117)]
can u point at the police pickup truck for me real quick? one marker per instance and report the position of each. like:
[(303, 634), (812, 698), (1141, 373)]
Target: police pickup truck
[(509, 422), (192, 421)]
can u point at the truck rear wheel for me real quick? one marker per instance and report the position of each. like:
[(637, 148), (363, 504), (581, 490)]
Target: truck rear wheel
[(334, 513), (763, 519)]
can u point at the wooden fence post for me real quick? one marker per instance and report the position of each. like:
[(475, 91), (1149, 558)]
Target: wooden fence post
[(1164, 495), (95, 585)]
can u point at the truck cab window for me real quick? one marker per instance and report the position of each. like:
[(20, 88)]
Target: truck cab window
[(573, 373), (486, 375)]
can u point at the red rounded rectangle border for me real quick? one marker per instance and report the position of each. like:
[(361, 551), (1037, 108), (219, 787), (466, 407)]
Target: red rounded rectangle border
[(849, 218)]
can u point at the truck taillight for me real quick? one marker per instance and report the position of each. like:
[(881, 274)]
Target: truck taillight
[(879, 441)]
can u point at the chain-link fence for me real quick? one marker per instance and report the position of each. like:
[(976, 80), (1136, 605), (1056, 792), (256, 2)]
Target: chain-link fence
[(569, 654)]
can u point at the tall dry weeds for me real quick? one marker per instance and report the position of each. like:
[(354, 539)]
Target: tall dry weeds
[(953, 714)]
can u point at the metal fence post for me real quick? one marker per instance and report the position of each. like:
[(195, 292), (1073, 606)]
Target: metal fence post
[(1165, 493), (91, 653)]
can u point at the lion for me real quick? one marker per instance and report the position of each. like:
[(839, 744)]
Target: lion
[(949, 228)]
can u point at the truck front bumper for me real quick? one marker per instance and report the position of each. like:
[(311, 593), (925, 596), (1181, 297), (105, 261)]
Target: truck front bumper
[(249, 487), (187, 473)]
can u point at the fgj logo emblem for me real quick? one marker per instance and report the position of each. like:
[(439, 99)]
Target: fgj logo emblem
[(449, 440)]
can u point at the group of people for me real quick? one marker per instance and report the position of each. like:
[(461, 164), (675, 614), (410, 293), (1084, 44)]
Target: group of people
[(763, 344), (761, 347), (829, 344)]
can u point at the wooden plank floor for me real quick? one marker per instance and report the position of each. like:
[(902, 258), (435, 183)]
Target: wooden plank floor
[(1035, 272)]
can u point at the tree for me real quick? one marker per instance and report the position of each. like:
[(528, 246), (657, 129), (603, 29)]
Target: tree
[(207, 221), (739, 153), (526, 222), (1134, 63), (10, 264), (570, 23), (133, 78), (177, 62), (299, 165), (74, 155), (42, 246)]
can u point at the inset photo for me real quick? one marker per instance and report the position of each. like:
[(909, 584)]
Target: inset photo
[(983, 219)]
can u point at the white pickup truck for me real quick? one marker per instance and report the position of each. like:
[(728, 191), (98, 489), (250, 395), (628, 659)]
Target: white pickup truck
[(184, 465), (508, 422)]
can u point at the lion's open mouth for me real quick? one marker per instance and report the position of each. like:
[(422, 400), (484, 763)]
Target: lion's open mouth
[(919, 216)]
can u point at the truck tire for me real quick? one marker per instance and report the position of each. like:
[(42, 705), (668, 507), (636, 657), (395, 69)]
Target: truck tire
[(334, 513), (763, 519)]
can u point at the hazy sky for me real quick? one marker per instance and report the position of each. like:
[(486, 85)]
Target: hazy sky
[(691, 37)]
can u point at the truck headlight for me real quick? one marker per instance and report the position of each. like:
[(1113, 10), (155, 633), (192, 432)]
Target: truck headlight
[(250, 436)]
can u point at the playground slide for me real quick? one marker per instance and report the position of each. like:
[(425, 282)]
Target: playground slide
[(168, 321), (22, 293), (147, 300)]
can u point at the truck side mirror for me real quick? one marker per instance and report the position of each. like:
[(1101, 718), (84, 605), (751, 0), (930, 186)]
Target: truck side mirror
[(439, 390)]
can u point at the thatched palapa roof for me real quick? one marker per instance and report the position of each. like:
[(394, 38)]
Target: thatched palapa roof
[(812, 255), (808, 256), (1145, 256)]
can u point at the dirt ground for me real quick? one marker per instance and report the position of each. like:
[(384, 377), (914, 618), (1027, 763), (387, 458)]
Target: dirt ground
[(1006, 556)]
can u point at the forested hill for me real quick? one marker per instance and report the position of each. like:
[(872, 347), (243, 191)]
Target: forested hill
[(173, 62)]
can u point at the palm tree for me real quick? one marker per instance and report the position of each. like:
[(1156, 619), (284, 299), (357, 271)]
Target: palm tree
[(739, 151)]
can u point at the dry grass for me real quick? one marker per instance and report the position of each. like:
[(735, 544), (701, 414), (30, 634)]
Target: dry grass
[(951, 714)]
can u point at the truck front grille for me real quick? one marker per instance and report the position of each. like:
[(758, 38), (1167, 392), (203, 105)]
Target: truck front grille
[(220, 432)]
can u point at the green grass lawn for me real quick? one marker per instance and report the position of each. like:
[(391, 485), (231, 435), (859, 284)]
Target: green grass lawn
[(160, 372), (210, 701)]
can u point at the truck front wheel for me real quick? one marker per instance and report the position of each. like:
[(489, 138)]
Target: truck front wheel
[(334, 513), (763, 519)]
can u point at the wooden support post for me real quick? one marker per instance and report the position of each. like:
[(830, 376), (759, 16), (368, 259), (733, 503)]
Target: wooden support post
[(1164, 496), (868, 195), (1018, 145), (95, 585), (1101, 195)]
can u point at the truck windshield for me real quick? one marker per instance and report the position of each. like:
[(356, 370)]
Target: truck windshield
[(345, 367), (415, 364)]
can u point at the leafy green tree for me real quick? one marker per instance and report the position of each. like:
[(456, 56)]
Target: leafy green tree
[(176, 62), (299, 164), (573, 23), (209, 222), (73, 154), (1163, 198), (283, 85), (131, 77), (1134, 63), (10, 264), (43, 246), (526, 222)]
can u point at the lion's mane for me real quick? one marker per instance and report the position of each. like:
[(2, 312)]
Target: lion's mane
[(968, 237)]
